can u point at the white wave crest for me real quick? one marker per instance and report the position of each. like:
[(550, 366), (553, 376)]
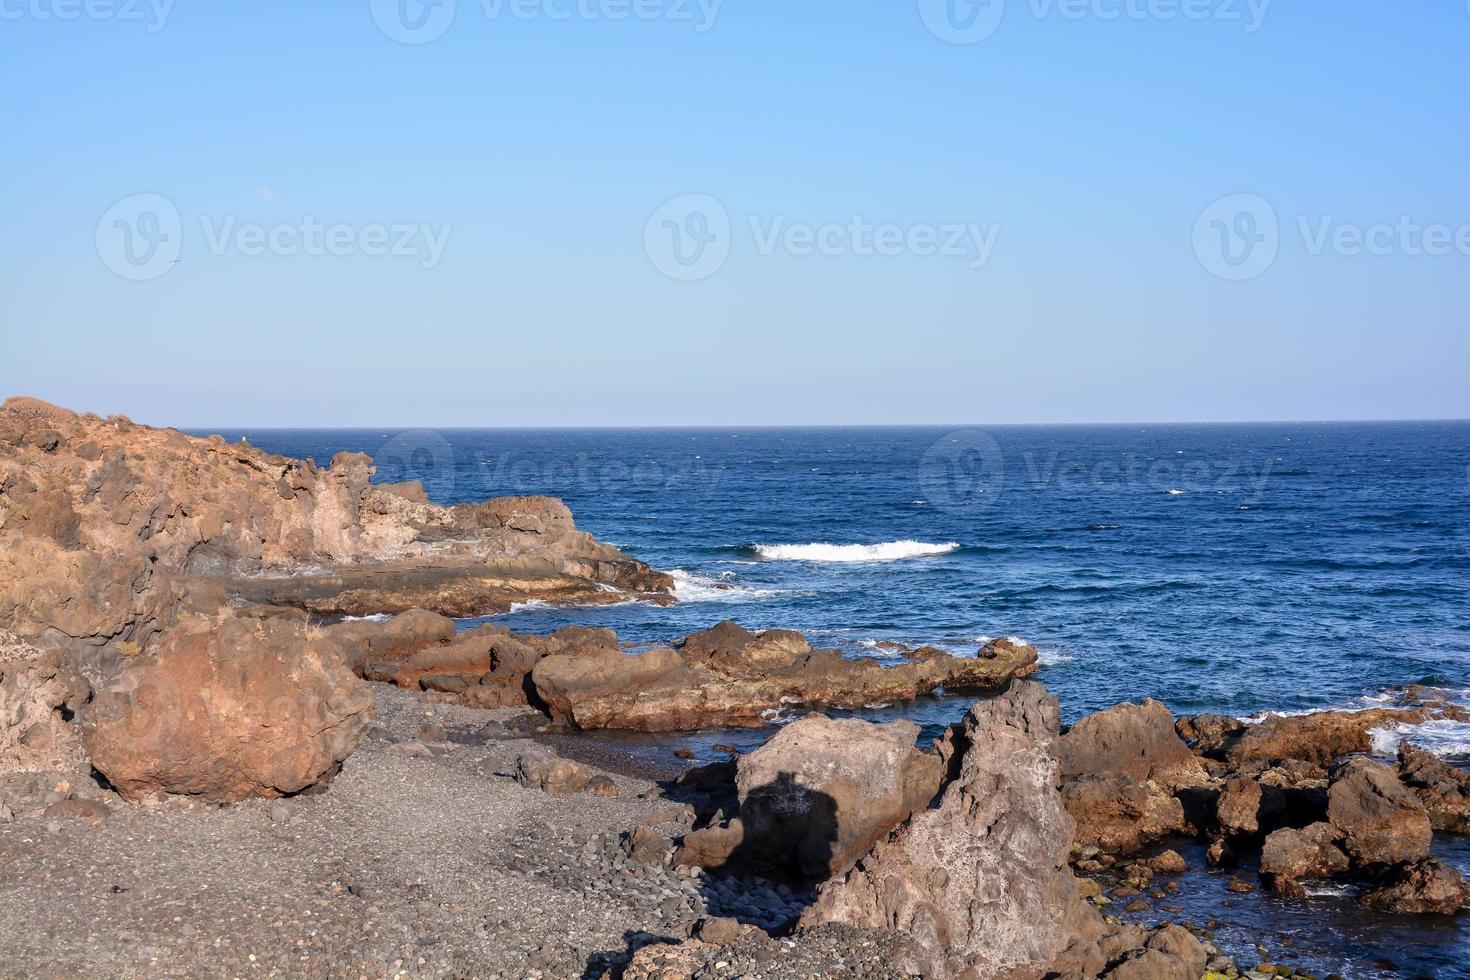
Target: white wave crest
[(885, 551), (370, 618), (1441, 736), (700, 588)]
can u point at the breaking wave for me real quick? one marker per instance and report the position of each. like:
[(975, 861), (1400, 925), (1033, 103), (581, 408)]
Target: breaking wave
[(884, 551)]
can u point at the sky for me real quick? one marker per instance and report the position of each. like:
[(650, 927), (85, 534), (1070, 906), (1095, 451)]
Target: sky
[(693, 212)]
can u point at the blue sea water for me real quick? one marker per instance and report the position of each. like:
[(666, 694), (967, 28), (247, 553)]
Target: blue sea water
[(1233, 568), (1230, 568)]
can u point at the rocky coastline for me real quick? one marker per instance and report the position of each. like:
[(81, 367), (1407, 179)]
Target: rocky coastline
[(242, 734)]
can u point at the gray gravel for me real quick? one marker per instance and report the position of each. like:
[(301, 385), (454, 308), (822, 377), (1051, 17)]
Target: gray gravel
[(423, 859)]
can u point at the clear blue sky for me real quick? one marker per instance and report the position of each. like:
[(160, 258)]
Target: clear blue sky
[(1089, 144)]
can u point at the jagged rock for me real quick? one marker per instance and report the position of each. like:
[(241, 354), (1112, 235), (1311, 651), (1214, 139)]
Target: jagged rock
[(39, 693), (1120, 816), (110, 532), (1290, 855), (729, 676), (228, 708), (1427, 886), (1209, 734), (980, 881), (1443, 789), (1136, 740), (1380, 820)]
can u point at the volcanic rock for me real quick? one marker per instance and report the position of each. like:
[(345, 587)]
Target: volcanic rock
[(1381, 820), (1137, 740), (816, 796), (1443, 789), (1427, 886), (110, 532), (1312, 852), (980, 882), (228, 708), (1119, 815), (729, 676)]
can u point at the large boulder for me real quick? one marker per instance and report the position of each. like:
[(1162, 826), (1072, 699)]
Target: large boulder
[(980, 881), (1289, 855), (228, 709), (371, 640), (1381, 821), (1424, 887), (817, 795), (1136, 740)]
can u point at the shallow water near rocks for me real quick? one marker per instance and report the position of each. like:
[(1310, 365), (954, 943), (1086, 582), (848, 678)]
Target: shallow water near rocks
[(1230, 568)]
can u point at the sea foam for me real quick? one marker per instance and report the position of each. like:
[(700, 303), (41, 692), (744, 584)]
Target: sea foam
[(885, 551)]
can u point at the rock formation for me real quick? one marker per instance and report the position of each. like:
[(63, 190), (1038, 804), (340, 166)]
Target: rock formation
[(728, 676), (112, 530), (980, 881), (1120, 769)]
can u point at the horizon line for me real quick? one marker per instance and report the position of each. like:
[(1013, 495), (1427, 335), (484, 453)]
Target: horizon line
[(400, 426)]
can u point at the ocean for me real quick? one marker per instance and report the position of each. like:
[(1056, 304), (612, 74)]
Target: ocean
[(1228, 568)]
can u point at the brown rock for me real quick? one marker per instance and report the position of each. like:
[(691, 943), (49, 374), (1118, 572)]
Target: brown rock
[(38, 693), (718, 930), (728, 676), (227, 709), (539, 769), (1168, 863), (1172, 953), (1136, 740), (1427, 886), (395, 639), (1380, 820), (1320, 738), (1290, 855), (980, 881), (1120, 816), (92, 811), (110, 532), (817, 795), (1443, 789)]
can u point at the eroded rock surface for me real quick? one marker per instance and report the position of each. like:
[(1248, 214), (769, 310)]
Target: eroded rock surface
[(981, 880), (812, 799), (227, 708), (110, 531), (728, 676)]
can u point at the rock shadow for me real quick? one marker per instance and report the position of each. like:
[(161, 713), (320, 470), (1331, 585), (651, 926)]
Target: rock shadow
[(788, 840)]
